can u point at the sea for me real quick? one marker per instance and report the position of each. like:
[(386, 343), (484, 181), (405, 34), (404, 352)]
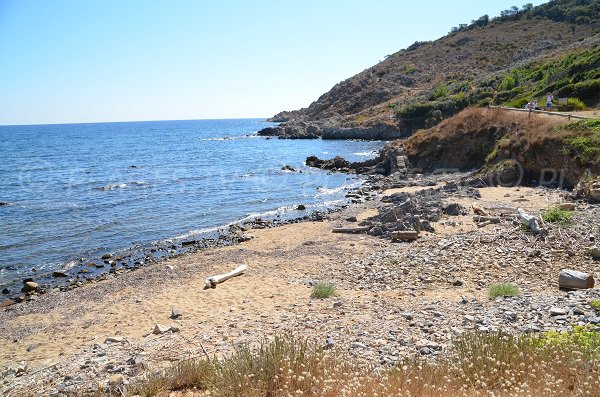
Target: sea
[(79, 191)]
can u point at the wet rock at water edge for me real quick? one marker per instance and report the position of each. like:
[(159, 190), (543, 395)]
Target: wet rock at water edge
[(30, 286)]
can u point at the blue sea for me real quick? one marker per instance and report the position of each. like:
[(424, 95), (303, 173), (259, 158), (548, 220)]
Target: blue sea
[(82, 190)]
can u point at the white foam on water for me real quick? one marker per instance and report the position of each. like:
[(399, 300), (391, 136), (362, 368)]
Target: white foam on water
[(115, 186)]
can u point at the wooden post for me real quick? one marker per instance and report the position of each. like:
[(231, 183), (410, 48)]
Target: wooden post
[(573, 279)]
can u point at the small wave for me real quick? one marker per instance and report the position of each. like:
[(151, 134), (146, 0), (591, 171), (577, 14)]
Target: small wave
[(364, 154), (323, 191), (6, 203), (138, 183), (115, 186), (227, 138)]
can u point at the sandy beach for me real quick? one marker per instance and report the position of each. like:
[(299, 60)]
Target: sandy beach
[(391, 296)]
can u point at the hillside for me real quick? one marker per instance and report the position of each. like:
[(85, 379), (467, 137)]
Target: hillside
[(504, 145), (501, 60)]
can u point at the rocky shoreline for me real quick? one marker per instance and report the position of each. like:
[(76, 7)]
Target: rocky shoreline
[(395, 299)]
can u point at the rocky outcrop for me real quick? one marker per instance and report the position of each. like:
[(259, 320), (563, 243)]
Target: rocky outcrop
[(588, 189), (416, 211), (297, 130), (379, 132), (391, 159)]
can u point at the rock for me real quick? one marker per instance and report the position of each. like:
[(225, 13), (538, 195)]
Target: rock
[(594, 252), (174, 328), (176, 314), (351, 219), (245, 237), (329, 342), (567, 206), (114, 339), (557, 311), (160, 329), (455, 209), (116, 380), (59, 273), (428, 344), (457, 283), (301, 207), (6, 291), (30, 286), (21, 368), (106, 256), (425, 351), (288, 168), (357, 345)]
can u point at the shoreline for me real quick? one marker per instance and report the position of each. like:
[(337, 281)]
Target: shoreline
[(394, 298), (83, 271)]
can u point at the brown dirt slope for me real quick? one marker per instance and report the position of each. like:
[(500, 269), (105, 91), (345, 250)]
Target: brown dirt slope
[(489, 138)]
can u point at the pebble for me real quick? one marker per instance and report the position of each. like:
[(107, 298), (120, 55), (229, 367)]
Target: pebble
[(116, 380)]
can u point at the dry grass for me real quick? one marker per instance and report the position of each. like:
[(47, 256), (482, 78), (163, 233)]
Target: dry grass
[(479, 365)]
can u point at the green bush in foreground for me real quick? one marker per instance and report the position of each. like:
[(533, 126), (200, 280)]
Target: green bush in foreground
[(552, 364), (323, 290), (503, 289), (595, 304), (557, 215)]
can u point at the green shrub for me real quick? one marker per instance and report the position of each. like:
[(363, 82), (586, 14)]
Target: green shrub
[(595, 304), (323, 290), (439, 93), (503, 289), (575, 104), (557, 215), (517, 103), (493, 154), (508, 83)]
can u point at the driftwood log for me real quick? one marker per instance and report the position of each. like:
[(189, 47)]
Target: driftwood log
[(212, 282), (405, 235), (479, 210), (359, 229), (573, 279), (530, 220)]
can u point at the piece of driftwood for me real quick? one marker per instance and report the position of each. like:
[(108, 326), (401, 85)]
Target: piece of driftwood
[(573, 279), (405, 235), (479, 210), (212, 282), (530, 220), (358, 229)]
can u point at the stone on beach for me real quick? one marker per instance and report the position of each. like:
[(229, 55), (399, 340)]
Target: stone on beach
[(30, 286), (160, 329)]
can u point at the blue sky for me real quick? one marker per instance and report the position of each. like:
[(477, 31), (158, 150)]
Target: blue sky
[(118, 60)]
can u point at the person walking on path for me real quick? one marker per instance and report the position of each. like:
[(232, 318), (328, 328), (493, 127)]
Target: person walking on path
[(549, 99)]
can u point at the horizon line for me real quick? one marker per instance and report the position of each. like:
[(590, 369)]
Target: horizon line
[(129, 121)]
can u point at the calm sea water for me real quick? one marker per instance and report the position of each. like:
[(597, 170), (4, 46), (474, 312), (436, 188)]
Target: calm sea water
[(80, 190)]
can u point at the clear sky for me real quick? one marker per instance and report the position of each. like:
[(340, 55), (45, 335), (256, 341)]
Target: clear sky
[(117, 60)]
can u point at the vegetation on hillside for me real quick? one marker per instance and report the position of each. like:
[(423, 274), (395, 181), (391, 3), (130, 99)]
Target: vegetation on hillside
[(585, 143), (575, 75), (575, 12), (550, 364)]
